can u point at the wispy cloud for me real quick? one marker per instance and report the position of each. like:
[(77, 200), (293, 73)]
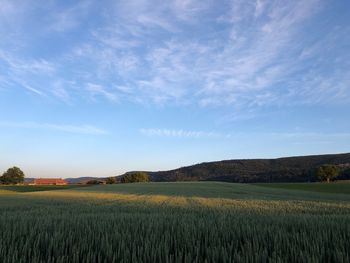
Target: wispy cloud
[(183, 133), (242, 54), (80, 129), (302, 137), (23, 73), (69, 18), (95, 89)]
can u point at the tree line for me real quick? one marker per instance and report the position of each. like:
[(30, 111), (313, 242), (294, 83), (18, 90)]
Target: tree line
[(15, 175), (131, 177)]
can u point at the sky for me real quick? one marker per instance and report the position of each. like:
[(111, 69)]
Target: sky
[(98, 88)]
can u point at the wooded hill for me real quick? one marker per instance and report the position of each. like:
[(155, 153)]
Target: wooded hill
[(290, 169)]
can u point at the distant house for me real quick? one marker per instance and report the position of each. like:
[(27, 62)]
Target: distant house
[(49, 181)]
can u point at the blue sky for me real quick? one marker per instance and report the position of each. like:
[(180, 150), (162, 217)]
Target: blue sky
[(97, 88)]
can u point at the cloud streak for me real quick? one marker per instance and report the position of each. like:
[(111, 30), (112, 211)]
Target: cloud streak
[(79, 129), (183, 134)]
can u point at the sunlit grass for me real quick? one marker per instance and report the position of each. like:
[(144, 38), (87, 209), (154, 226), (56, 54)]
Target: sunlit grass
[(215, 190), (5, 192), (248, 204)]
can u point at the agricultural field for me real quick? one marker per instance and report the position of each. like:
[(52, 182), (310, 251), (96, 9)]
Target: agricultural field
[(339, 187), (176, 222), (35, 188)]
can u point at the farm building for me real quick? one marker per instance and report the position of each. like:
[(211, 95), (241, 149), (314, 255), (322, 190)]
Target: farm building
[(49, 181)]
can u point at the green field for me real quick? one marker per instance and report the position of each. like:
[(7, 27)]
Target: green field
[(176, 222), (35, 188), (337, 187)]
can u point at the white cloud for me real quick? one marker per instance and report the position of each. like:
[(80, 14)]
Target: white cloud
[(33, 66), (82, 129), (298, 137), (183, 133), (242, 54), (59, 90), (95, 89), (260, 6), (69, 18), (7, 8), (149, 21), (30, 88), (189, 10)]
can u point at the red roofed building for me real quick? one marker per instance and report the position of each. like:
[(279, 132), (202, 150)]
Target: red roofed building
[(49, 181)]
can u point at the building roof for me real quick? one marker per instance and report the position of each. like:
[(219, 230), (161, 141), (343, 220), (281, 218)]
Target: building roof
[(49, 181)]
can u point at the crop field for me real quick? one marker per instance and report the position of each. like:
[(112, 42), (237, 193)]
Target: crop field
[(175, 222), (337, 187), (35, 188)]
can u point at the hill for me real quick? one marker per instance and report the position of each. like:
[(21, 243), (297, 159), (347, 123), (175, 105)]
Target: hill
[(289, 169)]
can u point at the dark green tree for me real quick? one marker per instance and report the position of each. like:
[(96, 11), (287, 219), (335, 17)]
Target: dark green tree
[(13, 175), (135, 177), (110, 180), (94, 181), (327, 172)]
